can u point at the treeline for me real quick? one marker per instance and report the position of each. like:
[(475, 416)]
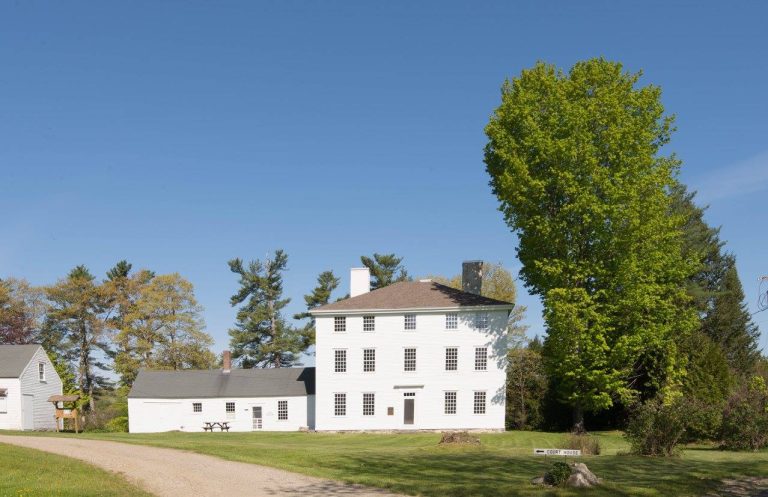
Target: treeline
[(123, 322), (646, 324)]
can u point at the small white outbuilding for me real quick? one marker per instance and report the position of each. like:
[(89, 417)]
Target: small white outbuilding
[(280, 399), (27, 380)]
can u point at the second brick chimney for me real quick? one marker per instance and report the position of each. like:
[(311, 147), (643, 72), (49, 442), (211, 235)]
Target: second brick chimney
[(226, 360)]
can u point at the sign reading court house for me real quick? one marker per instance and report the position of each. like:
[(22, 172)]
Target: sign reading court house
[(556, 452)]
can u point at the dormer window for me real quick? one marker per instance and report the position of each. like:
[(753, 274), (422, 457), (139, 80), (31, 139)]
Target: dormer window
[(410, 322)]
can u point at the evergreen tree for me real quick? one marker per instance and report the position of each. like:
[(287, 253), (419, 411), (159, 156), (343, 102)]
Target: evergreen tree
[(385, 269), (80, 313), (729, 323), (321, 295), (261, 337)]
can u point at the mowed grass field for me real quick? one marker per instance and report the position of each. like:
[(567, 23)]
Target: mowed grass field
[(502, 466), (31, 473)]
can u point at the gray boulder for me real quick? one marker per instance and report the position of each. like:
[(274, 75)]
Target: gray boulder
[(577, 480), (580, 468)]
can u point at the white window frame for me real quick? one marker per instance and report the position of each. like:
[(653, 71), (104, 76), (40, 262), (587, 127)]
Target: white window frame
[(482, 321), (369, 361), (409, 322), (337, 355), (339, 407), (194, 407), (452, 360), (369, 408), (405, 360), (447, 402), (339, 324), (369, 324), (282, 410), (41, 372), (3, 400), (476, 404), (452, 321), (230, 413), (481, 359)]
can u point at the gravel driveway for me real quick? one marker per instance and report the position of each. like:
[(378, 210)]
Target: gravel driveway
[(176, 473)]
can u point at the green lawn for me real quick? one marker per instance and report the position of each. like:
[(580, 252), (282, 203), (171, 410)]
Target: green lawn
[(31, 473), (502, 466)]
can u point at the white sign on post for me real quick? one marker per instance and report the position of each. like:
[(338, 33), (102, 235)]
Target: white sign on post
[(556, 452)]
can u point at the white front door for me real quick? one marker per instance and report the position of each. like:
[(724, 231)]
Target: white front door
[(257, 415), (28, 412)]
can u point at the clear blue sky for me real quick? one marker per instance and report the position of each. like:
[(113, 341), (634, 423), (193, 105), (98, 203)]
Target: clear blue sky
[(178, 135)]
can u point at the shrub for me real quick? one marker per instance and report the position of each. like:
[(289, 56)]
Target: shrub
[(656, 427), (117, 424), (557, 474), (745, 419), (587, 444)]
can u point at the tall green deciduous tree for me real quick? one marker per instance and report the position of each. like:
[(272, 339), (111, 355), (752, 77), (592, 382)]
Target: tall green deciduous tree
[(385, 269), (574, 162), (80, 312), (261, 336), (327, 282), (160, 327)]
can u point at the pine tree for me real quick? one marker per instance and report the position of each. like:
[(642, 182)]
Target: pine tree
[(321, 295), (261, 337), (385, 269)]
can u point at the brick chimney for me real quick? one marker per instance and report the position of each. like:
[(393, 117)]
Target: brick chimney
[(226, 359), (472, 276)]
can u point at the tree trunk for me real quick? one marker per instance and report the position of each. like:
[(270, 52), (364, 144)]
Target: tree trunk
[(578, 420)]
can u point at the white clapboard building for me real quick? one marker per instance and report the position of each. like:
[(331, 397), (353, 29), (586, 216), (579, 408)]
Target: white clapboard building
[(27, 381), (414, 355)]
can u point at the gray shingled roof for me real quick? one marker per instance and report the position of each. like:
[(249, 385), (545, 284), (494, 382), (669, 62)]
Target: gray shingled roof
[(412, 295), (200, 384), (14, 358)]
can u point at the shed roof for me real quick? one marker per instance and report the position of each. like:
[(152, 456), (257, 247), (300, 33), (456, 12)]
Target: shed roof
[(14, 358), (238, 383), (425, 294)]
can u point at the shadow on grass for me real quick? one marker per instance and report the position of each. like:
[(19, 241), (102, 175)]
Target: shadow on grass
[(483, 474)]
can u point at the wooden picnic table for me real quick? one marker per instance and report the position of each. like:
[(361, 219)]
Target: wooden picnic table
[(211, 425)]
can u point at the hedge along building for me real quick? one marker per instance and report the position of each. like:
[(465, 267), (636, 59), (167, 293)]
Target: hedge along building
[(279, 399), (412, 355)]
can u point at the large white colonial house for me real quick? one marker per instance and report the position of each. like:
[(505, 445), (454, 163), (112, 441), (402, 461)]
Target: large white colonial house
[(27, 380), (412, 355)]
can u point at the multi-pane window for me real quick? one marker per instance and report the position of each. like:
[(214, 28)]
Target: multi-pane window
[(481, 359), (410, 321), (230, 408), (198, 407), (41, 371), (282, 410), (369, 404), (452, 321), (340, 361), (479, 403), (339, 404), (369, 360), (369, 323), (481, 320), (451, 359), (409, 360), (450, 403), (339, 323)]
